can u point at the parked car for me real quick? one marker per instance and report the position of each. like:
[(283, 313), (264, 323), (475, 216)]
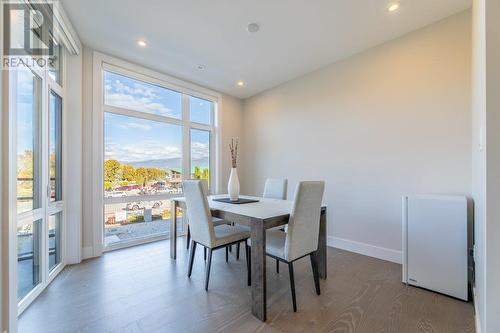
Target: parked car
[(115, 194), (137, 205)]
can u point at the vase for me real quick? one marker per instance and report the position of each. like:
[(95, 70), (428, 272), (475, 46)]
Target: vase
[(233, 186)]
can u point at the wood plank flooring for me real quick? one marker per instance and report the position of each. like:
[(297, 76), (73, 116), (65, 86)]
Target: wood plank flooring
[(141, 289)]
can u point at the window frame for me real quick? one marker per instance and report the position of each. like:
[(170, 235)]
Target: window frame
[(46, 208), (102, 63)]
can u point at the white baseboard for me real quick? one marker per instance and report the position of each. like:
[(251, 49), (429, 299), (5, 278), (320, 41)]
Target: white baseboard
[(477, 317), (87, 252), (366, 249)]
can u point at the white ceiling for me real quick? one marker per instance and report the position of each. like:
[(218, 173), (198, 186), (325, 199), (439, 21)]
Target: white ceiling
[(296, 36)]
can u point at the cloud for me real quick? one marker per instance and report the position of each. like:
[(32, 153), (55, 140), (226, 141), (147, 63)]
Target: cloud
[(141, 151), (138, 97), (131, 125), (152, 150), (199, 150)]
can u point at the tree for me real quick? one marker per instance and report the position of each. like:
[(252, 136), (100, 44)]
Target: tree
[(111, 170), (141, 176), (197, 173), (107, 185), (128, 173), (206, 174)]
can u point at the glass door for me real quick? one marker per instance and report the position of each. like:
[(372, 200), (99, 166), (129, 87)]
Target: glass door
[(27, 103), (36, 103), (55, 205)]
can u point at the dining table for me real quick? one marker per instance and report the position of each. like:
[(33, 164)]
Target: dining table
[(261, 215)]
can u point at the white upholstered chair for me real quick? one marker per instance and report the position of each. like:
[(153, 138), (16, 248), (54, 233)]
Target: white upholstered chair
[(215, 220), (301, 239), (203, 231), (275, 188)]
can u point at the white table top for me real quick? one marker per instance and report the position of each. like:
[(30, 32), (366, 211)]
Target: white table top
[(264, 209)]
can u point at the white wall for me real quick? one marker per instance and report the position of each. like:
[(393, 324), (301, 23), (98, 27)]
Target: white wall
[(73, 157), (392, 120), (232, 128), (87, 225), (486, 161), (479, 156), (230, 117)]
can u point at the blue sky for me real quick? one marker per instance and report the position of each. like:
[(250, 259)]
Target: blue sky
[(129, 139), (132, 140), (24, 111), (141, 96)]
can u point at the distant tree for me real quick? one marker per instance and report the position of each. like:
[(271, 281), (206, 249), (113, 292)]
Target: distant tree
[(25, 164), (111, 170), (128, 173), (197, 173), (141, 176), (205, 174)]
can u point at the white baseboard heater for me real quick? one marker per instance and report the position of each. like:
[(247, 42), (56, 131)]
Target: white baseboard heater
[(435, 238)]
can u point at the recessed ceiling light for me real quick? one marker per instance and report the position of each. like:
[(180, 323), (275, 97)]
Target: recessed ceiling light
[(393, 7), (200, 67), (240, 83), (142, 43), (253, 27)]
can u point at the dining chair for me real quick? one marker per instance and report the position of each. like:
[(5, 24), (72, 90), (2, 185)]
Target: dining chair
[(217, 221), (203, 230), (301, 239), (275, 188)]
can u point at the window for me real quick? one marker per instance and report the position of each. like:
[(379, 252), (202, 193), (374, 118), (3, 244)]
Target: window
[(37, 106), (124, 92), (55, 70), (200, 110), (147, 128), (28, 257), (55, 146), (200, 154), (28, 106), (54, 247)]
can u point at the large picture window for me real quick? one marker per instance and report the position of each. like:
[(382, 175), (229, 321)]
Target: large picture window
[(154, 137)]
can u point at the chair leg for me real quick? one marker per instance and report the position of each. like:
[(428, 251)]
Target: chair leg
[(277, 266), (292, 285), (314, 265), (188, 238), (207, 272), (191, 257), (238, 251), (205, 253), (248, 258), (227, 253)]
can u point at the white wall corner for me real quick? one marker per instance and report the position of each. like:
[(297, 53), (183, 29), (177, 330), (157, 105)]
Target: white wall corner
[(366, 249), (87, 252)]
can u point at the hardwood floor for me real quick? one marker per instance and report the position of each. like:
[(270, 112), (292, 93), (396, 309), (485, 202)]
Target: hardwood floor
[(141, 289)]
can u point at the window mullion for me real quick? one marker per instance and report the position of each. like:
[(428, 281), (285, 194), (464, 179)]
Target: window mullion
[(186, 139)]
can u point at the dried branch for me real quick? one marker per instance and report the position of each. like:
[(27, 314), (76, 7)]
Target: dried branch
[(233, 147)]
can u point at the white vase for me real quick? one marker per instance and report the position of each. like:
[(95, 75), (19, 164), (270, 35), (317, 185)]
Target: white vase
[(233, 186)]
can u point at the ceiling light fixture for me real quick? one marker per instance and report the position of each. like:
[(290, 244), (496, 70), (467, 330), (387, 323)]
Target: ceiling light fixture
[(240, 83), (142, 43), (253, 27), (393, 7)]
